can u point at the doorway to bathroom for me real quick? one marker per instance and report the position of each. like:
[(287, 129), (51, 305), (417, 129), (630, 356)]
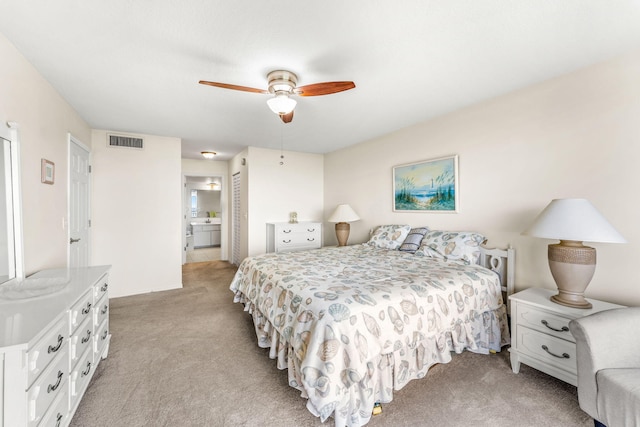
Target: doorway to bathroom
[(203, 208)]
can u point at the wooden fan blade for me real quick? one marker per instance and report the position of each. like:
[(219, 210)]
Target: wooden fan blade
[(327, 88), (287, 117), (234, 87)]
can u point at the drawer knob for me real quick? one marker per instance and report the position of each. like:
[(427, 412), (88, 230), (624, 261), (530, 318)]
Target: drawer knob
[(104, 334), (87, 338), (87, 308), (286, 241), (57, 347), (286, 231), (104, 287), (58, 419), (564, 355), (311, 230), (104, 309), (51, 387), (86, 371), (310, 240), (545, 323)]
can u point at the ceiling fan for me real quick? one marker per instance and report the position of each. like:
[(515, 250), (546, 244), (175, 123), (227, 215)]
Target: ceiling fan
[(282, 84)]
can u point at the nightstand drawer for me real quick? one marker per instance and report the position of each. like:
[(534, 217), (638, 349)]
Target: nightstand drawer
[(548, 349), (544, 322)]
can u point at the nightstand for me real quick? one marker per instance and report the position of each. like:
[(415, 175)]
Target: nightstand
[(540, 335)]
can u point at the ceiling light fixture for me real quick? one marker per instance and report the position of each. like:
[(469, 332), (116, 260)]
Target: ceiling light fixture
[(281, 103), (208, 154)]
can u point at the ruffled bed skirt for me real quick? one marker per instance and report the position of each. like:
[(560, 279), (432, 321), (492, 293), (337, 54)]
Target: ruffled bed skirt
[(484, 333)]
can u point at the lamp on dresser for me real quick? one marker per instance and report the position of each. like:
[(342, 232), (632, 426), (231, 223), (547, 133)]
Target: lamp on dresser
[(572, 221), (342, 216)]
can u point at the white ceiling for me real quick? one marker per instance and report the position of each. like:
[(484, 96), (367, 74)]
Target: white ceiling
[(134, 66)]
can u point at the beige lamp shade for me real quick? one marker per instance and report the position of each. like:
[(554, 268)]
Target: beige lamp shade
[(572, 264), (342, 216)]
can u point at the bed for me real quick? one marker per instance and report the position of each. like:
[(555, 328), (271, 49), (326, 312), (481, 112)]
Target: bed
[(352, 324)]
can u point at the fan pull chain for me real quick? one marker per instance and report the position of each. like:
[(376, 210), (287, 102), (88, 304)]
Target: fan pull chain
[(281, 143)]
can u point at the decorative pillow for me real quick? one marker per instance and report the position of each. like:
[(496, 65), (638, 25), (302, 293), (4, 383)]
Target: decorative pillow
[(389, 236), (452, 246), (412, 242)]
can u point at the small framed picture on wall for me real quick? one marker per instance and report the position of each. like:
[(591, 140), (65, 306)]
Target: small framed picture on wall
[(48, 171)]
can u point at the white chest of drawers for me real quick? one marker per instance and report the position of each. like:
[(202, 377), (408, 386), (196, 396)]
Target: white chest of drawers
[(540, 335), (50, 346), (287, 237)]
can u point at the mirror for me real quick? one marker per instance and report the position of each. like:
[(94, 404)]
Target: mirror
[(7, 223), (203, 196), (205, 203)]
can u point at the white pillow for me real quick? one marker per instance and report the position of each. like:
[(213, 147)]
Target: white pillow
[(389, 236), (462, 246)]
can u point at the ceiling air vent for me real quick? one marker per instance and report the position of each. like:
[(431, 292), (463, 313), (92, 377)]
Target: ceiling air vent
[(125, 141)]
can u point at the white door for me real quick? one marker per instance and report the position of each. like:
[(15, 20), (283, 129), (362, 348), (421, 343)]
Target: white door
[(79, 193)]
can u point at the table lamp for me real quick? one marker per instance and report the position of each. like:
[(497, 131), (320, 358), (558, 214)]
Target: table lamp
[(342, 216), (572, 264)]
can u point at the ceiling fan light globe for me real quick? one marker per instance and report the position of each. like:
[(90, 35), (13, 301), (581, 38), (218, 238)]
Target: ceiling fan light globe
[(281, 104)]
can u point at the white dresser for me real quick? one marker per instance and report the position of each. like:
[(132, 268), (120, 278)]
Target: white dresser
[(540, 335), (288, 237), (51, 345)]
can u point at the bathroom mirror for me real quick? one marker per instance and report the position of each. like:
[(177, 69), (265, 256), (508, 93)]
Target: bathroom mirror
[(11, 266)]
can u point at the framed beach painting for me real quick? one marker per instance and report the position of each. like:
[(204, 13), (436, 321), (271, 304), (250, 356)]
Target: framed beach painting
[(427, 186)]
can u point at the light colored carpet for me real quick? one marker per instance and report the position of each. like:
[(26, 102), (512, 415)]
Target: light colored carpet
[(189, 357)]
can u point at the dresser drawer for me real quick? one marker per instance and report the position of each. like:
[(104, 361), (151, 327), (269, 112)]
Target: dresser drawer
[(80, 377), (101, 288), (52, 381), (101, 339), (47, 348), (80, 341), (287, 237), (298, 237), (80, 311), (544, 321), (101, 310), (58, 413), (298, 232), (548, 349)]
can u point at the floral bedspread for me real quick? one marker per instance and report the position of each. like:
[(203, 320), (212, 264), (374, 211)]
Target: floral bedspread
[(354, 323)]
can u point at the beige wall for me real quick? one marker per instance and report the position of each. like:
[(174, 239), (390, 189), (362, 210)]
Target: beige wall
[(275, 190), (44, 121), (270, 191), (574, 136), (137, 225)]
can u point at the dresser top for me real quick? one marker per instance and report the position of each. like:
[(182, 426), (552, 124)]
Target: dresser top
[(21, 319), (293, 223)]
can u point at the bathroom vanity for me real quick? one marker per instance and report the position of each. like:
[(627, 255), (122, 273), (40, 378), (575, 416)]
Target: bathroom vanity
[(205, 234), (53, 333)]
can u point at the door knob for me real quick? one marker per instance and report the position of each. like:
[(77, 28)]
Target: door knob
[(72, 240)]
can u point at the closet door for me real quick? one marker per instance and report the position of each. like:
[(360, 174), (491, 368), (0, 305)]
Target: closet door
[(235, 220)]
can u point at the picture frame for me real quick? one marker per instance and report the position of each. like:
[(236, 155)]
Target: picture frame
[(47, 172), (427, 186)]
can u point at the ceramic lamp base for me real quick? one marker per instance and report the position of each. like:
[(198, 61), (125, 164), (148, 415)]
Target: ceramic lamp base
[(572, 266), (342, 233)]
